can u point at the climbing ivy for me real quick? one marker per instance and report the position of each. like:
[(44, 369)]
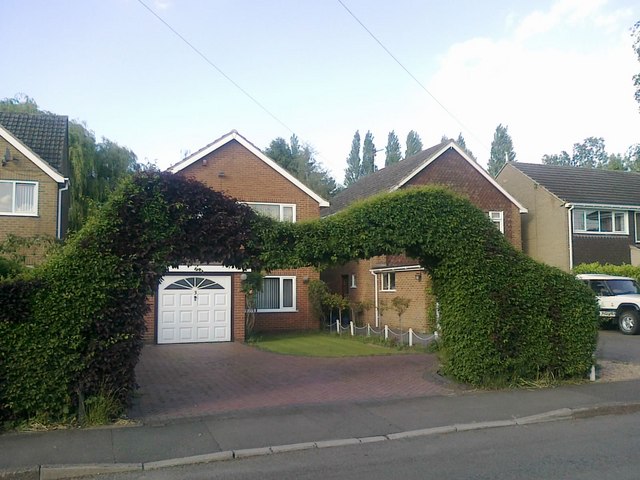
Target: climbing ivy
[(504, 317)]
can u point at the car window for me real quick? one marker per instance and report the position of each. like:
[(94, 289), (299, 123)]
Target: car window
[(623, 287), (599, 288)]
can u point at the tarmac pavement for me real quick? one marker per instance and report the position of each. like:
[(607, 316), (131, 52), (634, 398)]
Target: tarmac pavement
[(226, 434)]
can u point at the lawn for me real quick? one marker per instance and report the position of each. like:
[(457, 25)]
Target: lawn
[(322, 345)]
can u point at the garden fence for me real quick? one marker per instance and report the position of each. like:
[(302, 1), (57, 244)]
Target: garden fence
[(408, 337)]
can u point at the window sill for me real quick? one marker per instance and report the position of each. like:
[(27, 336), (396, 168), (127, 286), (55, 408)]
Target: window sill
[(278, 311)]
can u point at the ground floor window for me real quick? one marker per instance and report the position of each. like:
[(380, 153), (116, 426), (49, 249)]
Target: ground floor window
[(18, 198), (388, 282), (278, 294)]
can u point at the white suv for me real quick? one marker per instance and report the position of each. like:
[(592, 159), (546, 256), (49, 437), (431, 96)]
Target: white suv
[(619, 299)]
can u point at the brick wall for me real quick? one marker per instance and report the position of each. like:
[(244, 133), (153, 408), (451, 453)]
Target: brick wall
[(45, 223)]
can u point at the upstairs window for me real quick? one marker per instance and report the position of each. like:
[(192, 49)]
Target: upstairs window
[(285, 212), (498, 220), (18, 198), (599, 221), (637, 222)]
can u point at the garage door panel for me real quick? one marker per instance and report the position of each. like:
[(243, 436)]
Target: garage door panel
[(193, 308)]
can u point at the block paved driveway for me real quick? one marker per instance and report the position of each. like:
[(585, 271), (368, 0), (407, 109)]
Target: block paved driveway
[(182, 381)]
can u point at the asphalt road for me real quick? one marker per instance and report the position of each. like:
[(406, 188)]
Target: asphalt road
[(615, 346), (590, 449)]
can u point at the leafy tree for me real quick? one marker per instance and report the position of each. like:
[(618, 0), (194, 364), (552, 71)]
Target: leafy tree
[(299, 160), (501, 150), (590, 153), (414, 144), (368, 155), (632, 158), (561, 158), (635, 32), (96, 168), (462, 144), (354, 165), (615, 162), (392, 150)]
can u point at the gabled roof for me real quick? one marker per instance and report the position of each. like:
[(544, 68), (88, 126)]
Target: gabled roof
[(32, 156), (234, 135), (587, 186), (397, 175), (45, 134)]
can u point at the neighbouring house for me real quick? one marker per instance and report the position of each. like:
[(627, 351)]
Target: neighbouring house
[(576, 215), (370, 285), (34, 175), (206, 303)]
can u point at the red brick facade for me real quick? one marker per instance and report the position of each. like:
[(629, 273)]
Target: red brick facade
[(451, 170), (238, 172)]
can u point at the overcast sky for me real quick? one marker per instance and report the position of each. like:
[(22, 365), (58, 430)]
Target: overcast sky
[(554, 72)]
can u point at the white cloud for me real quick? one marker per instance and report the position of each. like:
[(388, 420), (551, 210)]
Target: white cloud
[(550, 97)]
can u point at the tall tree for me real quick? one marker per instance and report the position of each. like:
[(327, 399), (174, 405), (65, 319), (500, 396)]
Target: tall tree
[(635, 32), (462, 144), (561, 158), (590, 153), (299, 160), (392, 151), (414, 144), (354, 165), (368, 155), (96, 168), (501, 150)]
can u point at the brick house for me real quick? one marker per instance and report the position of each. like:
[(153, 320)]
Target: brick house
[(576, 215), (373, 283), (205, 303), (34, 171)]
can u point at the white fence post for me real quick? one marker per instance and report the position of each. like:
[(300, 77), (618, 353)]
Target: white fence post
[(368, 330), (386, 332), (411, 337), (352, 329)]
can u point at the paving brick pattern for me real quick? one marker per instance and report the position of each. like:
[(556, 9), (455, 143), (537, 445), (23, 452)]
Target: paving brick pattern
[(182, 381)]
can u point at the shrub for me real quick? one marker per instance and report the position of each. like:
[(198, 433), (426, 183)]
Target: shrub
[(624, 270), (74, 329), (504, 317)]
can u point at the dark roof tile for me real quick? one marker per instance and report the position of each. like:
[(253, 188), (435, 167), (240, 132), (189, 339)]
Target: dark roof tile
[(45, 134), (585, 185)]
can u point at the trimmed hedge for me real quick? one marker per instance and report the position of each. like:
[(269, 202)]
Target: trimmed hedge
[(74, 327), (624, 270), (504, 317)]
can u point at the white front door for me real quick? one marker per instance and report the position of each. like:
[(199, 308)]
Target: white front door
[(194, 308)]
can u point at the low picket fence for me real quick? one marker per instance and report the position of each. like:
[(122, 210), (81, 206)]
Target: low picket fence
[(408, 337)]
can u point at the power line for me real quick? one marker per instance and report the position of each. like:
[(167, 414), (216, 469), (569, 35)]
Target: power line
[(459, 122), (218, 69)]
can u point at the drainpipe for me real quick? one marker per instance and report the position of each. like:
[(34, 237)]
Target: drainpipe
[(375, 296), (570, 228), (60, 190)]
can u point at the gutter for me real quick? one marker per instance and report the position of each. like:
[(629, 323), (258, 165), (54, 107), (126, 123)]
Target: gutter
[(570, 207), (60, 190), (375, 297)]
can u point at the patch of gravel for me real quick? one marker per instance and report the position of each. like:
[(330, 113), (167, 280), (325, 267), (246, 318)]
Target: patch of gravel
[(617, 371)]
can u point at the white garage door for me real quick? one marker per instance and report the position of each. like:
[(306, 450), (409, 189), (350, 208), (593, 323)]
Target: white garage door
[(194, 308)]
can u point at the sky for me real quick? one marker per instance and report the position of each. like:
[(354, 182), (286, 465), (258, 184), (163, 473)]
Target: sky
[(554, 71)]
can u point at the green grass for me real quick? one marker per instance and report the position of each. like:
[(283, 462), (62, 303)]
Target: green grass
[(323, 345)]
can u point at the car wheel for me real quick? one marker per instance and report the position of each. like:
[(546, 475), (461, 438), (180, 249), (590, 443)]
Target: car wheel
[(628, 322)]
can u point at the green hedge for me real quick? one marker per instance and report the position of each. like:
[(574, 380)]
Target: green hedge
[(624, 270), (504, 317), (74, 327)]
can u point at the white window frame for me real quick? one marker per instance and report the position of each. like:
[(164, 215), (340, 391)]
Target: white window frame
[(13, 212), (353, 283), (497, 217), (613, 213), (282, 207), (293, 307), (636, 218), (386, 283)]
